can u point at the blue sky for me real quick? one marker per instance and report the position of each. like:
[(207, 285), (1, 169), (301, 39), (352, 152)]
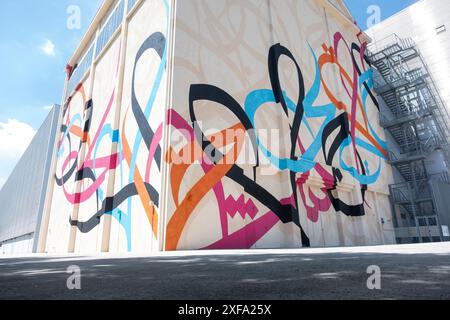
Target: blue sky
[(387, 8), (33, 78), (34, 48)]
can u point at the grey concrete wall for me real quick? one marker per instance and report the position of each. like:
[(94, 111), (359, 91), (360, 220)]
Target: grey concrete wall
[(22, 197)]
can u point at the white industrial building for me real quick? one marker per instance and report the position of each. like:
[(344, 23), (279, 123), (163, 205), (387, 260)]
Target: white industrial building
[(411, 51), (152, 78)]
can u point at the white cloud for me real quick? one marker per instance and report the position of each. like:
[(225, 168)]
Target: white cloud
[(48, 48), (15, 137)]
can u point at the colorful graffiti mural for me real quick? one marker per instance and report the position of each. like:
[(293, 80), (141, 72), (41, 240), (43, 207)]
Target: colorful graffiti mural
[(302, 158), (291, 75), (191, 164), (90, 163)]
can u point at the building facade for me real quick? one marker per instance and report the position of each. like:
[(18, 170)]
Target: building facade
[(233, 124), (409, 50), (24, 193), (427, 23)]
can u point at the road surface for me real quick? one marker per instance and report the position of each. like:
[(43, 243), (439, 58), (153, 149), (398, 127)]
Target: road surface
[(419, 271)]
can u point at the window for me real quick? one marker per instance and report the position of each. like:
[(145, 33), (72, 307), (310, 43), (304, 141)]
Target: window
[(80, 71), (432, 222), (441, 29), (108, 30), (131, 4), (422, 222)]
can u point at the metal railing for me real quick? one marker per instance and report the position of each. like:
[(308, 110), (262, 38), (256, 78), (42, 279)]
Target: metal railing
[(410, 192), (417, 148), (388, 46)]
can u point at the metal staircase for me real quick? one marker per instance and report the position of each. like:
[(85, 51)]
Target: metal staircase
[(417, 120)]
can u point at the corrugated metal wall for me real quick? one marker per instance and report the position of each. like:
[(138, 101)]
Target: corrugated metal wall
[(23, 195)]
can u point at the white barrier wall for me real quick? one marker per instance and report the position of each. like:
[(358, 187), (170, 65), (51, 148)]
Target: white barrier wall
[(21, 245), (271, 139)]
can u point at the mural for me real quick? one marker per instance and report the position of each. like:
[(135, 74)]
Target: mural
[(97, 159), (139, 178), (301, 161), (327, 135), (69, 145), (87, 164), (126, 156), (271, 127)]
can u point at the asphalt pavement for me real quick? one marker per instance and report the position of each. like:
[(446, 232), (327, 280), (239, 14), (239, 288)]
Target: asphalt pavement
[(419, 271)]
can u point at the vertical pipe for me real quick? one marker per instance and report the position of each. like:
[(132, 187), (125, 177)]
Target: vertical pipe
[(165, 170)]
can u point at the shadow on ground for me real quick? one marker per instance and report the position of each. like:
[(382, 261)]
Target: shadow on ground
[(254, 277)]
